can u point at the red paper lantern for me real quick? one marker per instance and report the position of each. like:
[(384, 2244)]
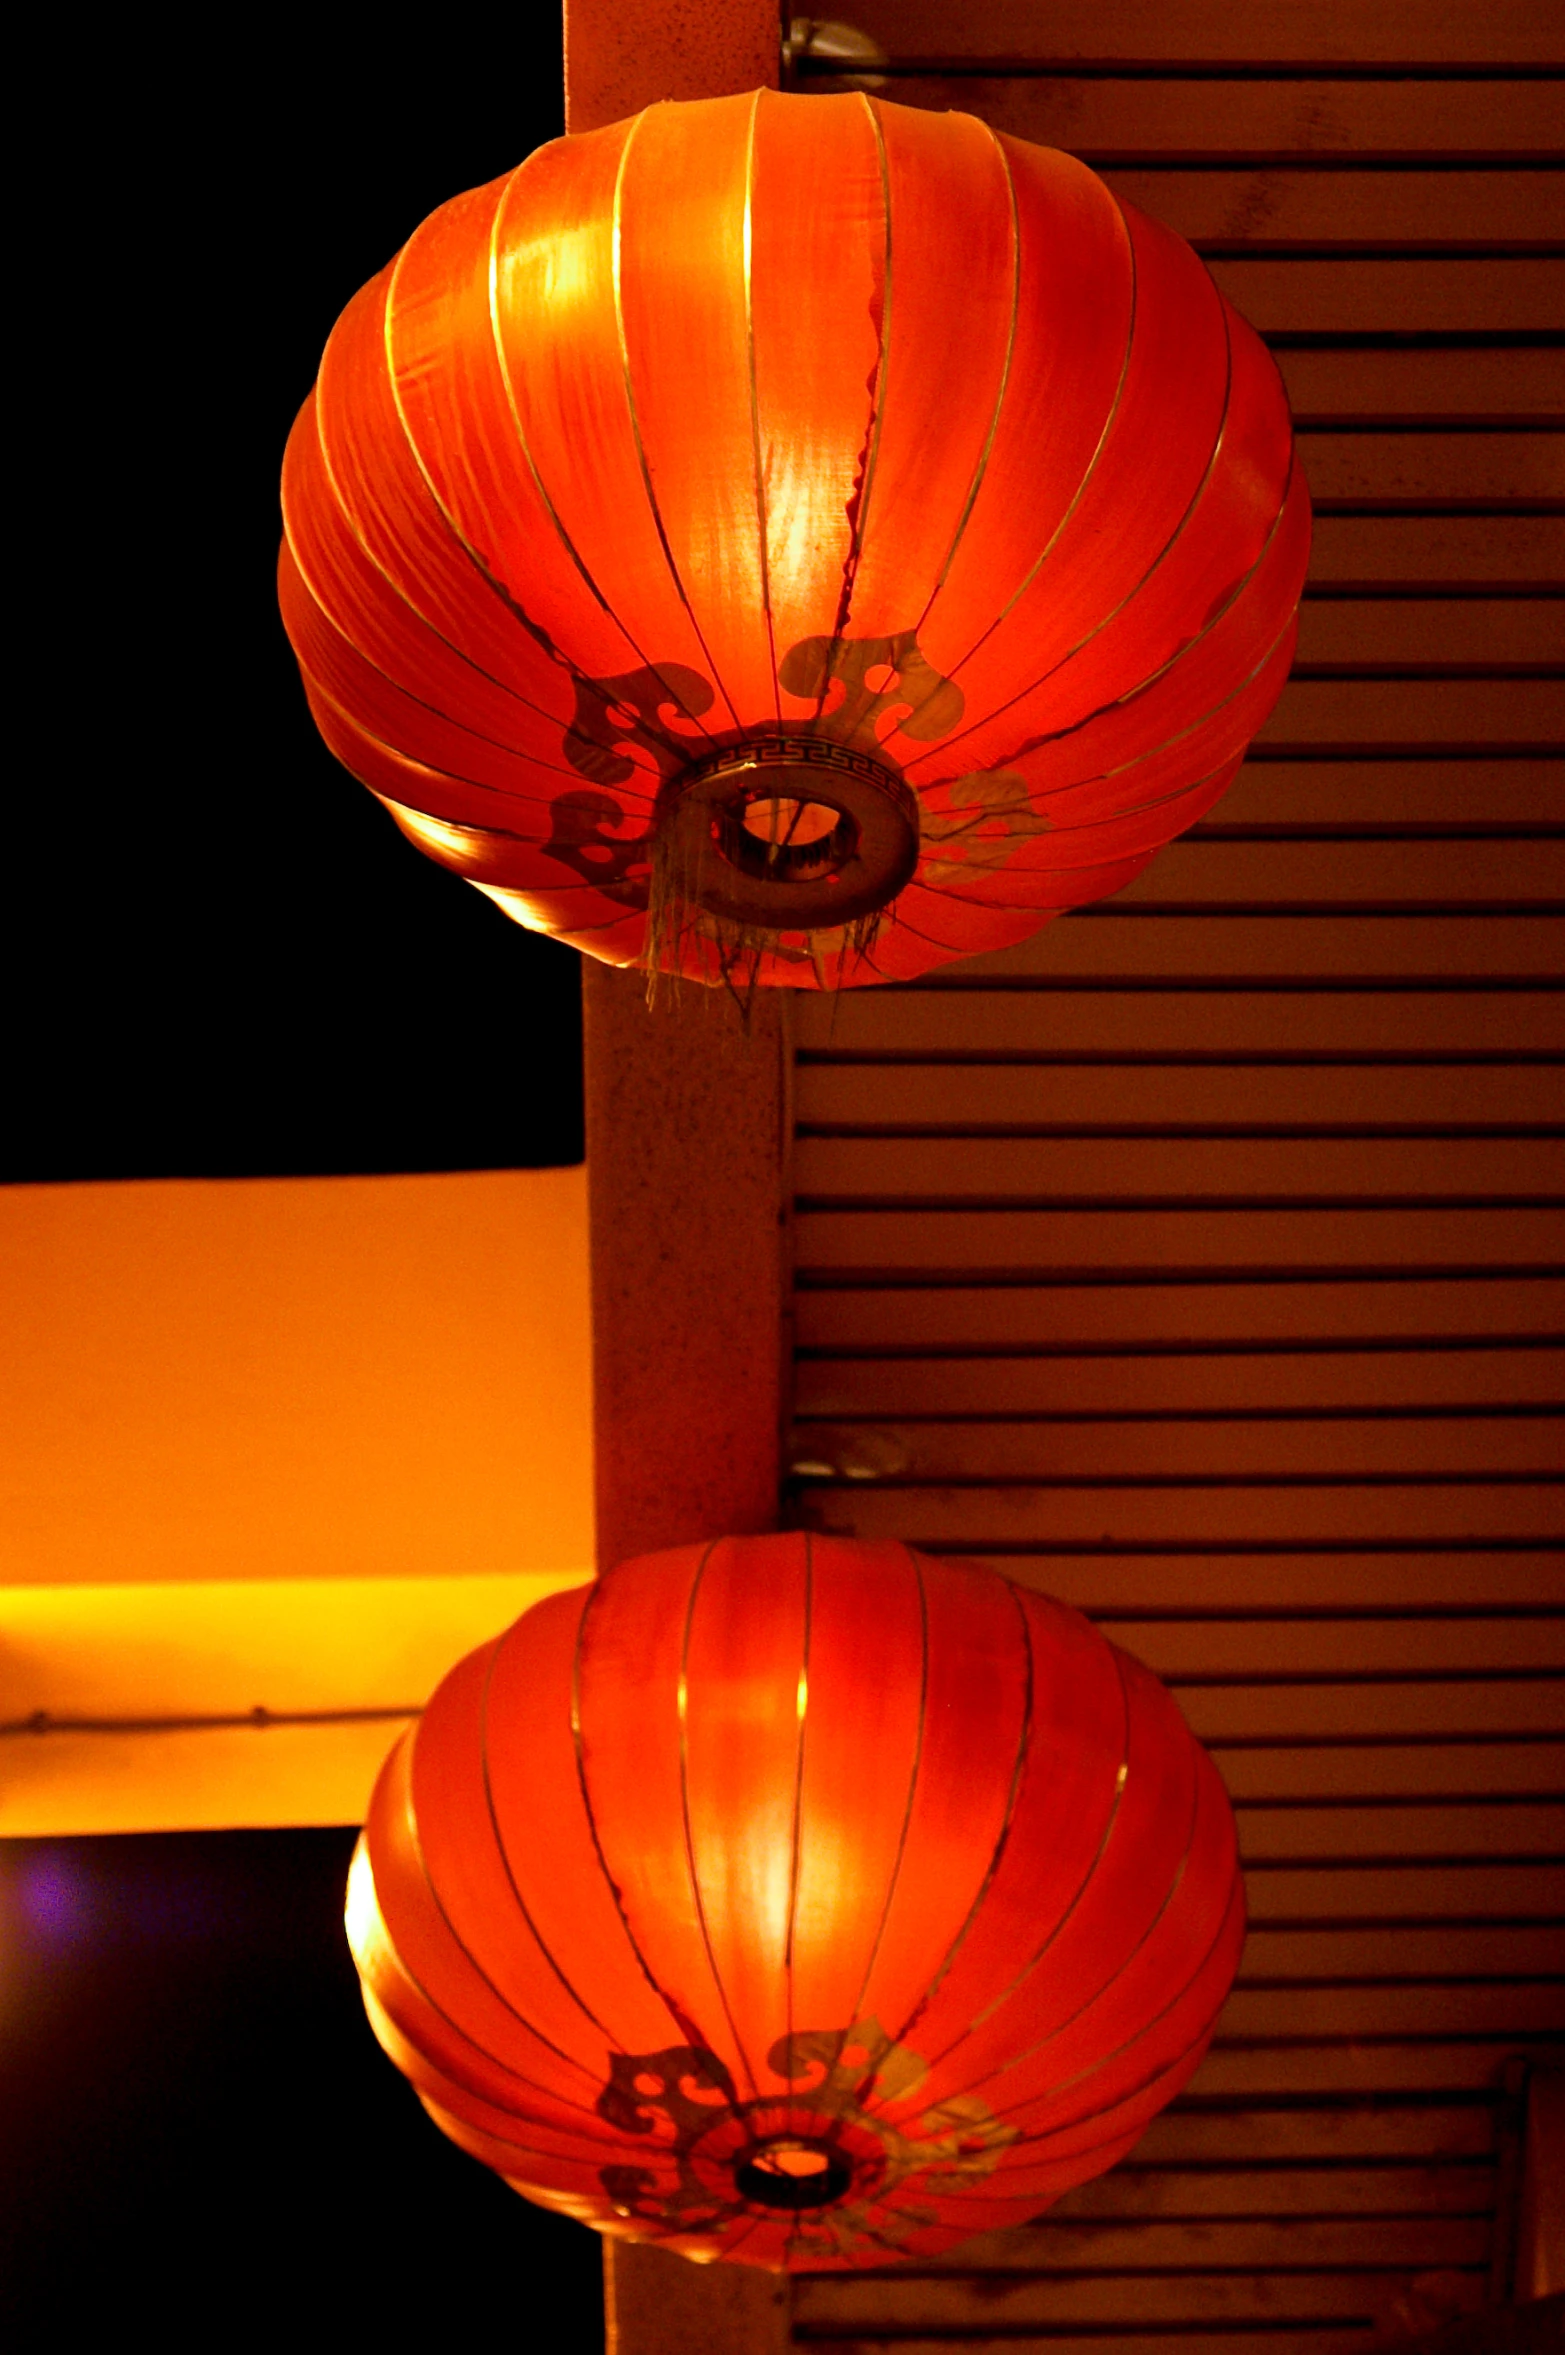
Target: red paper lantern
[(797, 1901), (798, 537)]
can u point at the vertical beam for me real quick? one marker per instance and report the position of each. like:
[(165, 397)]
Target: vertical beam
[(685, 1135), (685, 1132), (658, 2304), (685, 1117), (622, 55)]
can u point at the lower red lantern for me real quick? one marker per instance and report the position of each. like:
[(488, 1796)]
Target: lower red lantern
[(797, 1901)]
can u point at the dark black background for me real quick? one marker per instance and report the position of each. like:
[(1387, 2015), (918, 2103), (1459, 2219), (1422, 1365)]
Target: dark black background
[(203, 2144), (225, 962), (228, 961)]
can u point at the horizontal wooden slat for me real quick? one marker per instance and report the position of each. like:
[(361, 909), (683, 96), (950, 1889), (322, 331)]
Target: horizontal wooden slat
[(1347, 872), (1403, 1891), (1409, 1446), (1133, 121), (1183, 942), (1357, 1646), (1116, 1585), (1396, 1767), (1352, 1514), (1430, 551), (876, 2302), (1311, 2339), (1139, 1313), (1360, 796), (1526, 2013), (1211, 1649), (1336, 2244), (947, 1096), (1413, 712), (1420, 384), (1432, 469), (1476, 1830), (1369, 1382), (1444, 1951), (1354, 872), (1135, 2189), (1403, 32), (1406, 1932), (962, 1018), (1315, 208), (1284, 2136), (1460, 631), (1489, 2026), (968, 1168), (1015, 1241), (1494, 296)]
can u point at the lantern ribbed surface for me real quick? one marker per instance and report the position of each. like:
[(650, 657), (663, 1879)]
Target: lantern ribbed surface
[(888, 473), (796, 1900)]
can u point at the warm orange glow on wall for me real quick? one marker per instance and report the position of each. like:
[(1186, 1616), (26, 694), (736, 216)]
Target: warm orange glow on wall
[(193, 1705), (287, 1445), (772, 456), (798, 1901), (297, 1377)]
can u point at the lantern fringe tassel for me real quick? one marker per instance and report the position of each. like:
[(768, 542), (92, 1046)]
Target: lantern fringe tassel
[(681, 928)]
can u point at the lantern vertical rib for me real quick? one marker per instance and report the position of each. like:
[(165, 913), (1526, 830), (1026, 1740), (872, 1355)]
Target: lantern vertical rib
[(676, 2013), (1088, 477), (1002, 1837), (1063, 1918), (858, 2004), (802, 1717), (1010, 1993), (514, 611), (864, 484), (551, 506), (634, 414), (1106, 2060), (1151, 752), (692, 1864), (982, 467), (1107, 619), (443, 2012), (503, 364), (522, 1907), (762, 516), (298, 512)]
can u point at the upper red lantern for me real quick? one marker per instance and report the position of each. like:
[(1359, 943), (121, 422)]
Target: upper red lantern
[(798, 1901), (797, 536)]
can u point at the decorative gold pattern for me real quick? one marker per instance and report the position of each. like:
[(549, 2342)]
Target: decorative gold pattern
[(838, 2082), (910, 683), (631, 708), (990, 812)]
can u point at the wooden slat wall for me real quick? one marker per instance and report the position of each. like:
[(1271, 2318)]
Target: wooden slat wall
[(1200, 1261)]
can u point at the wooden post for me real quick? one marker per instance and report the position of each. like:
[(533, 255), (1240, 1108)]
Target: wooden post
[(685, 1138), (685, 1133), (622, 55)]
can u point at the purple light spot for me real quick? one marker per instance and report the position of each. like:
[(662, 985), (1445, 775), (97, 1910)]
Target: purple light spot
[(56, 1903)]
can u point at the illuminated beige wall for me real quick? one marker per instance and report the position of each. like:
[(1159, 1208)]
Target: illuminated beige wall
[(291, 1444)]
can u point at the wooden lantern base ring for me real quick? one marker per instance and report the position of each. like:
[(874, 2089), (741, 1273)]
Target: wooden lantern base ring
[(789, 834)]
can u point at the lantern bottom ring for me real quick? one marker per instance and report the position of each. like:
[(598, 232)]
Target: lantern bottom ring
[(788, 833), (792, 2171)]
